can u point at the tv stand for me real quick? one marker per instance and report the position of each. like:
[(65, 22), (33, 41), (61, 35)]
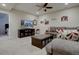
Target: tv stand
[(26, 32)]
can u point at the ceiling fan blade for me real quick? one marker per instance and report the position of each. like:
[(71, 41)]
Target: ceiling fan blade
[(49, 7), (45, 5)]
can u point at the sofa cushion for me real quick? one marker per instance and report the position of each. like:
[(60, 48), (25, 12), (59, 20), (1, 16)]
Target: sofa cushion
[(68, 46), (63, 47)]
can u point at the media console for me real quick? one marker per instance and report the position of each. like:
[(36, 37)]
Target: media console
[(26, 32)]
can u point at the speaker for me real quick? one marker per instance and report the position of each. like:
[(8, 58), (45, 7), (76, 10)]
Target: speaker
[(6, 26)]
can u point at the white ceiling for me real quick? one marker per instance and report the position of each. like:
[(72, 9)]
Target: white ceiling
[(8, 6), (32, 8)]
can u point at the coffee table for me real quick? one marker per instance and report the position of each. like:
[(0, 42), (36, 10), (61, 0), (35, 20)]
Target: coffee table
[(41, 40)]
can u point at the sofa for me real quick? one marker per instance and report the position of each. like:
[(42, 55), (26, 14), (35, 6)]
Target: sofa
[(60, 46)]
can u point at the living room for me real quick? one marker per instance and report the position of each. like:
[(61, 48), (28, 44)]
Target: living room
[(42, 19)]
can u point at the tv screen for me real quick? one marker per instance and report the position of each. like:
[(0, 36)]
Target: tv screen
[(27, 23)]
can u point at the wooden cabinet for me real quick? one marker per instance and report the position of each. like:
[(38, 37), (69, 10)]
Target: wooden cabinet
[(26, 32), (41, 41)]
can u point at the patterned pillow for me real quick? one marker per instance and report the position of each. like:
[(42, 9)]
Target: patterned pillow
[(72, 36)]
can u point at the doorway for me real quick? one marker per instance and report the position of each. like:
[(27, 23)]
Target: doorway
[(4, 24)]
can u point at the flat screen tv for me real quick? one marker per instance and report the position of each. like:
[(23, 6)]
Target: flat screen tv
[(27, 23)]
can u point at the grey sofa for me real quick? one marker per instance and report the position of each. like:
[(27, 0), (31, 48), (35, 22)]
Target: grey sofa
[(62, 47)]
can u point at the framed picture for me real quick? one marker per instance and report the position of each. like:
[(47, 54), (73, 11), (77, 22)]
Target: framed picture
[(41, 22), (27, 23), (34, 22), (64, 18)]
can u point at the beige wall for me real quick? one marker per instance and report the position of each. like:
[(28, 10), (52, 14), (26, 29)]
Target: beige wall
[(15, 18), (73, 18), (42, 26), (55, 19)]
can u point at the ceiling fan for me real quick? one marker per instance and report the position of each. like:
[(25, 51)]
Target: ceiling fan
[(44, 7)]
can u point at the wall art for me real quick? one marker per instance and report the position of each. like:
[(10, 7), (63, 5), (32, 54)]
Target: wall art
[(64, 18), (41, 22), (34, 22)]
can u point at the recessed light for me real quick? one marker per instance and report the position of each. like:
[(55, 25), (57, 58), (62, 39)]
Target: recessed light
[(66, 4), (3, 4)]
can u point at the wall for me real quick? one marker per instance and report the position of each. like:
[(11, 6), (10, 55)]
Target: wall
[(30, 17), (15, 18), (42, 26), (15, 22), (73, 18), (55, 19)]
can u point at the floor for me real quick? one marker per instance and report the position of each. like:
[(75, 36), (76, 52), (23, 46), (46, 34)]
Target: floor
[(19, 47)]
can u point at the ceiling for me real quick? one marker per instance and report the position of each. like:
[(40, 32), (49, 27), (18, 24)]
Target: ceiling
[(33, 9)]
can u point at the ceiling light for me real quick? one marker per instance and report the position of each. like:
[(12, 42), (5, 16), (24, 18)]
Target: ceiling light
[(66, 3), (3, 4)]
